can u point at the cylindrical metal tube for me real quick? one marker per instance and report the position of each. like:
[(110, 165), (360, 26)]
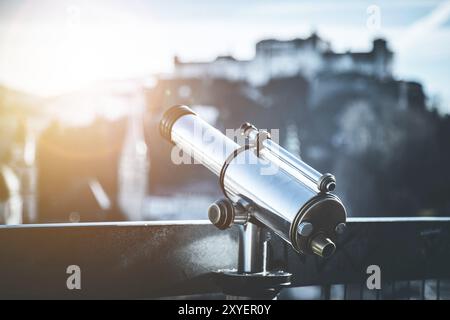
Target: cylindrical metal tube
[(288, 162), (204, 143), (281, 201)]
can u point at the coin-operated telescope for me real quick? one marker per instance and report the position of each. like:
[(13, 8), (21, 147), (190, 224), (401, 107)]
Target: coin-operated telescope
[(264, 186)]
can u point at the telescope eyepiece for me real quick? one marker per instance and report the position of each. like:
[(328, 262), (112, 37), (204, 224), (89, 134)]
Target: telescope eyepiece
[(170, 117), (322, 246)]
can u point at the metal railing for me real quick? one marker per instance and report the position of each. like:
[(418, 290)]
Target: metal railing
[(162, 259), (436, 289)]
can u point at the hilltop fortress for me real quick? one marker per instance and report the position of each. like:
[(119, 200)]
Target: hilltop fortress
[(287, 58)]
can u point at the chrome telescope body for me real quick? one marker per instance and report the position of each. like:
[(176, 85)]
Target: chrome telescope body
[(264, 183)]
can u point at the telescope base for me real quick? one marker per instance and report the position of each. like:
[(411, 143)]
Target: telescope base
[(261, 285)]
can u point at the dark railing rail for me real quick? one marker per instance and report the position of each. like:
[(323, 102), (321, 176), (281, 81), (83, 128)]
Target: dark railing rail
[(157, 259)]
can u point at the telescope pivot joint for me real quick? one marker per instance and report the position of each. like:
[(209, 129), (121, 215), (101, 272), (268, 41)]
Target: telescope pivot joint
[(223, 213)]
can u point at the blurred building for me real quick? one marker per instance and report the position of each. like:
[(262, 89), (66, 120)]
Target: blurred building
[(18, 178), (134, 163), (23, 162), (280, 59), (93, 163), (10, 198)]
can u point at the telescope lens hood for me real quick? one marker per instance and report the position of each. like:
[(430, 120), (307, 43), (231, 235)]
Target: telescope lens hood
[(169, 117)]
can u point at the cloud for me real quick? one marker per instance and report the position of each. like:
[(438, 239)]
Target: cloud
[(423, 27)]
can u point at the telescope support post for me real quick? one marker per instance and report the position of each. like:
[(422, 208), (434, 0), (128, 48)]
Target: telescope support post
[(252, 249), (252, 280)]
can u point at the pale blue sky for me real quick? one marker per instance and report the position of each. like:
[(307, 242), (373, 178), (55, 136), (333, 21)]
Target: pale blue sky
[(48, 47)]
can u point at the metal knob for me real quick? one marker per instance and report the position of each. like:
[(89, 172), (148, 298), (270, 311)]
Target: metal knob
[(221, 213), (340, 228), (305, 229), (322, 246)]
